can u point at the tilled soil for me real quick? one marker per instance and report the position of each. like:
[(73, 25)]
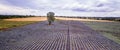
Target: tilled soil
[(61, 35)]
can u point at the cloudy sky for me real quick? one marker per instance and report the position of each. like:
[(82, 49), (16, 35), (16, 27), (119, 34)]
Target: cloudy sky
[(61, 7)]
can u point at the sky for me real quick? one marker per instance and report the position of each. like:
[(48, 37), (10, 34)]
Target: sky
[(93, 8)]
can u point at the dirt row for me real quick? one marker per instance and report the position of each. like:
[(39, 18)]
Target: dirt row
[(61, 35)]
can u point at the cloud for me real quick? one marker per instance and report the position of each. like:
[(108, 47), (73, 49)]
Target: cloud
[(61, 7), (7, 10)]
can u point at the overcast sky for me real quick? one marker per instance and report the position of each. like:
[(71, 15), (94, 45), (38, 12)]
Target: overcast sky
[(61, 7)]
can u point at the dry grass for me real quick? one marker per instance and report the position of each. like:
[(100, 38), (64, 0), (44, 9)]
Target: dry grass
[(60, 18), (27, 19), (15, 22), (77, 19)]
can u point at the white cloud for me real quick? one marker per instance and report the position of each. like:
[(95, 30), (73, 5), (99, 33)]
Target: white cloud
[(61, 7), (6, 9)]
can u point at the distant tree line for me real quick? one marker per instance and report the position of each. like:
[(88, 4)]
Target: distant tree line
[(95, 18), (15, 16), (103, 18)]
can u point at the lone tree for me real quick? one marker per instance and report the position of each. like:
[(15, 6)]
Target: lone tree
[(50, 17)]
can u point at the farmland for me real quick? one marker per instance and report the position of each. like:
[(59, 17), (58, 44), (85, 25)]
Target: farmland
[(11, 24), (15, 22), (63, 34), (109, 29)]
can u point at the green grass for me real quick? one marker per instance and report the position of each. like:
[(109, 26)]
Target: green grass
[(110, 30), (11, 24)]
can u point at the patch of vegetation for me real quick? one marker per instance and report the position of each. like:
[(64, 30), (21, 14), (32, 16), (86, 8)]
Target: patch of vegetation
[(95, 18), (110, 30), (10, 24), (14, 16)]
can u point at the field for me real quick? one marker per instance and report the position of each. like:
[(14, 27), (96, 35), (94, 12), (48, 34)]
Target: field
[(110, 30), (63, 34), (15, 22), (27, 19)]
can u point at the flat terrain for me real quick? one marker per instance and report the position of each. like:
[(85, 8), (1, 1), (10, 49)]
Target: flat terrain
[(16, 22), (110, 30), (61, 35), (27, 19), (10, 24), (78, 19)]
